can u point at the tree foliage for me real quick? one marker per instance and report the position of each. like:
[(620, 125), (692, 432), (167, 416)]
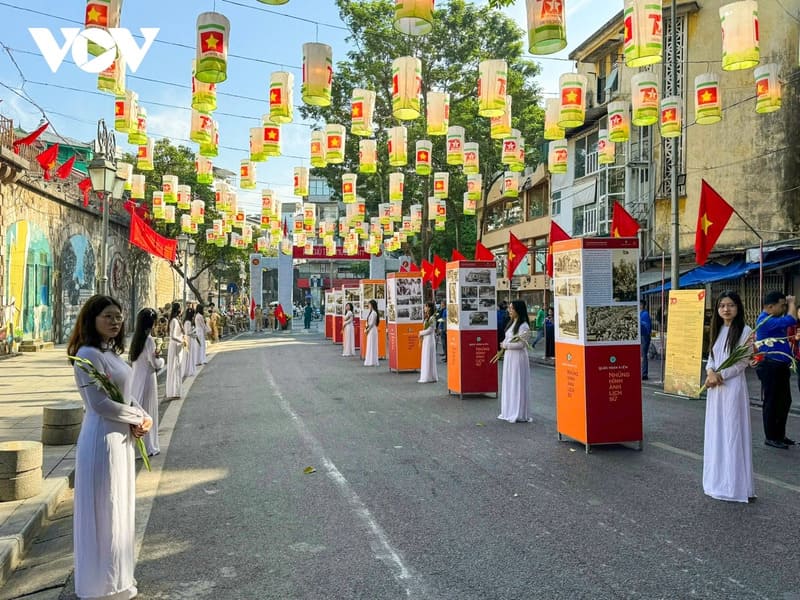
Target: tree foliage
[(463, 35)]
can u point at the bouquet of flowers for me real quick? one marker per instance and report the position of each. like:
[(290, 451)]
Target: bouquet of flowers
[(522, 337), (104, 383)]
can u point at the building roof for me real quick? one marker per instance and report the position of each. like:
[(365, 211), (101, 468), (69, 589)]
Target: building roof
[(49, 138)]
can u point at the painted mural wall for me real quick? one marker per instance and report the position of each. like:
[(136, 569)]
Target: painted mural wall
[(78, 280)]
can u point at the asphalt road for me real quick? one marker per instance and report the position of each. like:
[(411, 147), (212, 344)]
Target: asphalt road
[(418, 494)]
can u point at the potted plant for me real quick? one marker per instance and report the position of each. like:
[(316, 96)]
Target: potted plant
[(17, 340)]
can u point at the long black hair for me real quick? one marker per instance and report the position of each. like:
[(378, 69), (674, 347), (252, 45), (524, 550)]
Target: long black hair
[(145, 321), (373, 305), (175, 311), (737, 326), (522, 314), (85, 331)]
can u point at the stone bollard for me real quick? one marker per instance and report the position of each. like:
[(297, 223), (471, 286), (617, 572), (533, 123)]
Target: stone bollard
[(20, 470), (61, 424)]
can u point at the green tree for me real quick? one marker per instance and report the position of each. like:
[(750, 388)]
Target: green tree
[(224, 261), (463, 35)]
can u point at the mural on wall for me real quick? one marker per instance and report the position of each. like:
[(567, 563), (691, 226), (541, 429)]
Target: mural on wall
[(77, 280), (29, 269)]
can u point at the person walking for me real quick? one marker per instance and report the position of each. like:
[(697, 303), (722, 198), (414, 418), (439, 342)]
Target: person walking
[(348, 337), (727, 452), (427, 368), (442, 326), (646, 330), (549, 334), (146, 364), (774, 370), (175, 351), (371, 352), (201, 330), (541, 315), (515, 392), (192, 346), (307, 312), (105, 474)]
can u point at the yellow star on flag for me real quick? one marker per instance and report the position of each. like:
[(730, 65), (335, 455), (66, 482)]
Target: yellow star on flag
[(94, 15), (273, 96), (272, 134), (707, 96), (334, 142), (356, 111), (762, 88), (616, 232), (436, 272), (705, 223), (572, 96), (511, 256), (211, 42)]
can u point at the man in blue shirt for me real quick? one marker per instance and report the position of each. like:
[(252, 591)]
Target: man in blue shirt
[(773, 371), (646, 327), (442, 324)]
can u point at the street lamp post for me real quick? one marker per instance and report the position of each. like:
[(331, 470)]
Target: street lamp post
[(186, 245)]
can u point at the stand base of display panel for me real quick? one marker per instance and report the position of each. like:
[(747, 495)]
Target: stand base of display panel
[(637, 444)]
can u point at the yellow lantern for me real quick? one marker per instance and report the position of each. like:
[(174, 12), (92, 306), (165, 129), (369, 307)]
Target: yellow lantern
[(510, 152), (385, 213), (441, 213), (101, 14), (300, 181), (184, 194), (572, 111), (644, 98), (169, 214), (606, 149), (169, 185), (413, 17), (643, 34), (362, 108), (281, 96), (125, 111), (406, 87), (455, 145), (335, 140), (186, 223), (137, 186), (318, 146), (424, 149), (437, 112), (198, 211), (396, 186), (552, 130), (619, 129), (671, 116), (212, 47), (204, 95), (268, 203), (217, 227), (739, 35), (202, 128), (247, 174), (518, 164), (471, 158), (492, 83), (204, 169), (138, 135), (159, 206), (212, 149), (397, 144), (272, 137), (500, 127), (125, 171), (396, 210), (112, 80), (511, 184), (768, 88), (432, 204), (475, 186), (144, 156), (557, 157), (257, 153), (441, 184), (367, 156), (547, 30), (469, 205), (317, 74), (708, 99), (273, 2), (349, 182)]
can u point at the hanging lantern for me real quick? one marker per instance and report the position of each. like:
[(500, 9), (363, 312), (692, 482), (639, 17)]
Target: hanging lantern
[(362, 108), (101, 14), (475, 186), (367, 156), (247, 174), (204, 169), (511, 184), (547, 30), (159, 206), (552, 110), (125, 111), (572, 111), (518, 164), (510, 148), (198, 211), (144, 156), (606, 149), (281, 96), (184, 194), (500, 127), (169, 214), (437, 112), (492, 83), (273, 2), (455, 145), (432, 204), (557, 157), (335, 140), (202, 128), (212, 47), (169, 185), (318, 146), (125, 171), (619, 129), (406, 87), (137, 186), (349, 181), (268, 204), (204, 95), (396, 210), (112, 80), (257, 153), (138, 135), (644, 98), (441, 184), (671, 117), (272, 137), (397, 144), (768, 88), (441, 213), (469, 205), (413, 17), (317, 74), (643, 33), (471, 158), (186, 224), (708, 99), (424, 149), (300, 181), (739, 35), (396, 186), (211, 149)]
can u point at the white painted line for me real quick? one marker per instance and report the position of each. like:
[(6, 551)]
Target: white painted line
[(688, 454), (380, 544)]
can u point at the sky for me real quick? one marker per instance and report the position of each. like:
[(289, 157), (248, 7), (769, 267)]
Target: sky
[(263, 39)]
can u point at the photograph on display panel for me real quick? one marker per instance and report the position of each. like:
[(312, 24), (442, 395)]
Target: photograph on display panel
[(369, 291), (330, 305), (624, 275), (566, 264), (567, 319), (612, 324), (477, 300)]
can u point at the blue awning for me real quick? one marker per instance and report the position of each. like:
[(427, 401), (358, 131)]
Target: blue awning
[(738, 268)]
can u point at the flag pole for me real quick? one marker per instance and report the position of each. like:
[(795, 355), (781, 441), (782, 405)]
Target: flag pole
[(760, 254)]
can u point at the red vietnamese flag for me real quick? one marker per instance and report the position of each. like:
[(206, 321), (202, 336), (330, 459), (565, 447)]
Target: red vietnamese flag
[(356, 110), (413, 268), (84, 185), (712, 216), (97, 14), (622, 223), (438, 185), (483, 253), (64, 170), (211, 41), (427, 271), (252, 308), (439, 271), (556, 235), (143, 236), (30, 138), (707, 95), (571, 95), (456, 255), (280, 315), (275, 96), (47, 159), (517, 251)]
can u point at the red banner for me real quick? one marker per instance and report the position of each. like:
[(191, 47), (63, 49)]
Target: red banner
[(144, 237), (322, 252)]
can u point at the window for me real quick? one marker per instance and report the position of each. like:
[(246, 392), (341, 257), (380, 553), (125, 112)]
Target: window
[(539, 255), (524, 267), (537, 202), (555, 205), (319, 187), (586, 155), (504, 213), (584, 220)]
